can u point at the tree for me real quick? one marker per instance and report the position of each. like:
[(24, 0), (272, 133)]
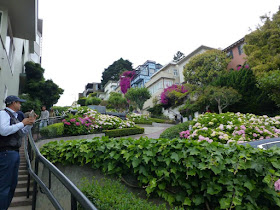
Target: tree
[(263, 55), (138, 96), (114, 71), (46, 91), (254, 100), (222, 96), (117, 101), (203, 68), (178, 56)]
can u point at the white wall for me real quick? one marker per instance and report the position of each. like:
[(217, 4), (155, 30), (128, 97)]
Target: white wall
[(10, 71)]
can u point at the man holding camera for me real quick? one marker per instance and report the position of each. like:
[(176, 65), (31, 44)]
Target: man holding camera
[(11, 133)]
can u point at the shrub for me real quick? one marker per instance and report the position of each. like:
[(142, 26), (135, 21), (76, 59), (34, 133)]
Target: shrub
[(93, 101), (143, 121), (157, 120), (174, 131), (113, 195), (124, 131), (229, 127), (54, 130), (184, 172), (82, 101)]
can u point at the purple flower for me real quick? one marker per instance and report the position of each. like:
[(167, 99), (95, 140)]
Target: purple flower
[(73, 120), (277, 185)]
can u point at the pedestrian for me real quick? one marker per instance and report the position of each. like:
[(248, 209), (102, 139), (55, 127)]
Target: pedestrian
[(11, 132), (44, 117), (52, 116), (20, 116)]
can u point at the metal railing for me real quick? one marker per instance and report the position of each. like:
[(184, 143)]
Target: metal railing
[(31, 151)]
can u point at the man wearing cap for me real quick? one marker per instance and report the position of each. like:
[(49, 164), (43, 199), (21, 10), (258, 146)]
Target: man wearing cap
[(11, 132)]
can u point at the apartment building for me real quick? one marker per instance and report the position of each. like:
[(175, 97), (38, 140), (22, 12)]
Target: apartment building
[(20, 41), (144, 73), (236, 52)]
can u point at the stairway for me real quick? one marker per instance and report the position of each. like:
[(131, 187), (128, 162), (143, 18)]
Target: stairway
[(20, 201)]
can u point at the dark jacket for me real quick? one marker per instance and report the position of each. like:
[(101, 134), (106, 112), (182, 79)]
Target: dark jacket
[(13, 140)]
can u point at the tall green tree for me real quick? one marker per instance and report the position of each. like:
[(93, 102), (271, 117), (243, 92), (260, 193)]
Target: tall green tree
[(254, 100), (205, 67), (263, 55), (138, 96), (46, 91), (114, 71)]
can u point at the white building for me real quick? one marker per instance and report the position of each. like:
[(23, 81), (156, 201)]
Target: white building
[(109, 87), (20, 41), (170, 74)]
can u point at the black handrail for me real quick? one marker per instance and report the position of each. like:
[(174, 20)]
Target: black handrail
[(76, 194)]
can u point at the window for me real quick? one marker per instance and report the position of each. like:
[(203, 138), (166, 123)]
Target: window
[(230, 54), (175, 72), (240, 49), (10, 47)]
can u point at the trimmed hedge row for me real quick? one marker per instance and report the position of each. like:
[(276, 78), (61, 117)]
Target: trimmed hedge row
[(124, 131), (143, 121), (53, 130), (196, 175), (157, 120)]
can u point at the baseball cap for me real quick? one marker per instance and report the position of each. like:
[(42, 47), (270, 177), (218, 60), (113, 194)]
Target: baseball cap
[(11, 99)]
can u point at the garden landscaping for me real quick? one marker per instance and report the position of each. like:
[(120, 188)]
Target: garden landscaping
[(204, 169)]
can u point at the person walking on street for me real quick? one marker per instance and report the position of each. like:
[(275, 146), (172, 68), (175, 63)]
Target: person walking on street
[(11, 132), (44, 117)]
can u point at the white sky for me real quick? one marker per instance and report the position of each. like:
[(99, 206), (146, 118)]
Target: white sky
[(82, 38)]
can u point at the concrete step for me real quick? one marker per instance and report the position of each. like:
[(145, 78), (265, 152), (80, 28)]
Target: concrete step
[(22, 172), (22, 177), (23, 184), (21, 201), (20, 208), (22, 167), (22, 192)]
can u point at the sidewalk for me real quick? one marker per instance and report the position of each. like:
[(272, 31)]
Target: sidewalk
[(152, 132)]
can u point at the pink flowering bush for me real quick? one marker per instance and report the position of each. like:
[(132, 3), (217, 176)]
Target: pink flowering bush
[(233, 127), (165, 98), (125, 80), (88, 121)]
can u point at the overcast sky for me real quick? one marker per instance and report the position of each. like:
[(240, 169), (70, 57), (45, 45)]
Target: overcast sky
[(82, 38)]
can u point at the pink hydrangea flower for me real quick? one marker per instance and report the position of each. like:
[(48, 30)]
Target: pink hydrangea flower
[(73, 120), (277, 185), (77, 123)]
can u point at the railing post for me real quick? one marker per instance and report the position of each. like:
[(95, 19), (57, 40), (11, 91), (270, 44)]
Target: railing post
[(28, 180), (34, 197), (73, 203)]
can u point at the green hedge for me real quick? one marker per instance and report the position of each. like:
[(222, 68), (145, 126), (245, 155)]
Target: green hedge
[(196, 175), (157, 120), (54, 130), (124, 131), (110, 194), (143, 121), (174, 131)]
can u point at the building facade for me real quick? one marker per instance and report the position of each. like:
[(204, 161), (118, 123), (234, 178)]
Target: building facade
[(236, 52), (91, 88), (20, 41), (144, 73)]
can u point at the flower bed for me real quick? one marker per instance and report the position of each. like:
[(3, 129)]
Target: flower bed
[(90, 121), (233, 127)]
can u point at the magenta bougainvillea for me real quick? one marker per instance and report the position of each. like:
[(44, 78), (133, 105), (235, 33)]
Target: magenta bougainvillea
[(164, 94), (125, 80)]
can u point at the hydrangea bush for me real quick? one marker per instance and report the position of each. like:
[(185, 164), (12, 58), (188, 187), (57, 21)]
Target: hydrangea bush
[(90, 121), (136, 116), (232, 127)]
